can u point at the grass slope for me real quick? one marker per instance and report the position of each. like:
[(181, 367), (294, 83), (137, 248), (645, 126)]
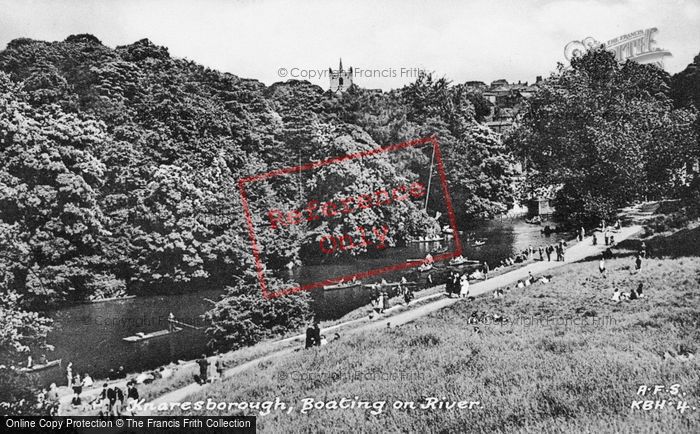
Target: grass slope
[(579, 371)]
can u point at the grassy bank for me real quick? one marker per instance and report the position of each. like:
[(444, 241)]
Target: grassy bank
[(569, 359)]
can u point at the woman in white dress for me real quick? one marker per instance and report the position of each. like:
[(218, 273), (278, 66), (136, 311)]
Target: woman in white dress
[(464, 286)]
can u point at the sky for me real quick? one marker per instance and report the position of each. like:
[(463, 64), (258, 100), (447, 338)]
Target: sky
[(387, 42)]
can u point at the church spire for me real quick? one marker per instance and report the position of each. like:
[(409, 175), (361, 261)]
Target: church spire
[(341, 64)]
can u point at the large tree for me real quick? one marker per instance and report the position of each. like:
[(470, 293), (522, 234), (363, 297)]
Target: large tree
[(607, 134)]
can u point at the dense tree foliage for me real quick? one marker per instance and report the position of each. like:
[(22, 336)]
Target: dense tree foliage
[(120, 170), (607, 134)]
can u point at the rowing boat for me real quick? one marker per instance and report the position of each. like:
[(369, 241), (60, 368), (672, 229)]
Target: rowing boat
[(140, 336), (425, 267), (427, 240), (43, 366), (462, 261), (342, 286), (102, 300), (390, 284)]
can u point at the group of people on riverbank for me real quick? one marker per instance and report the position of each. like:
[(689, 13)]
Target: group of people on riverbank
[(550, 251), (314, 338), (457, 284), (210, 370)]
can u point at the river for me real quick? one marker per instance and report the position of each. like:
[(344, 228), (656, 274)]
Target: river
[(90, 335)]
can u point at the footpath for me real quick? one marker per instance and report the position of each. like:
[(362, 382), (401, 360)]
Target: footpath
[(399, 315)]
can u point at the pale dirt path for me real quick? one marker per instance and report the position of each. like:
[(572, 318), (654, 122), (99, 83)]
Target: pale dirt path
[(574, 253)]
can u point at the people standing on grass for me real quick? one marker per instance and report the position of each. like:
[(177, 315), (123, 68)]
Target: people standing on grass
[(595, 240), (643, 250), (548, 249), (539, 250), (381, 303), (638, 262), (612, 240), (601, 266)]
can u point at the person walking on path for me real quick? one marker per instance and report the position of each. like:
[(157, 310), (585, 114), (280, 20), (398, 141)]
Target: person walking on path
[(203, 368)]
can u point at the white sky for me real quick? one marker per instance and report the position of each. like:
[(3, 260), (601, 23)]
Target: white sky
[(461, 40)]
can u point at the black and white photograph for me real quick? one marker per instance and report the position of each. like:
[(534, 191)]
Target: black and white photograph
[(389, 216)]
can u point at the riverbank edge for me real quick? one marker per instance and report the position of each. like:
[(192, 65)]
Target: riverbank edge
[(280, 347)]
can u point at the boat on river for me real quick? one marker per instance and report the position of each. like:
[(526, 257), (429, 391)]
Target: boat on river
[(102, 300), (479, 243), (141, 336), (387, 284), (536, 220), (42, 366), (461, 260), (342, 285), (427, 240), (425, 267)]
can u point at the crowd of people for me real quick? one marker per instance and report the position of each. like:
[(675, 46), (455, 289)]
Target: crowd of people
[(551, 251)]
